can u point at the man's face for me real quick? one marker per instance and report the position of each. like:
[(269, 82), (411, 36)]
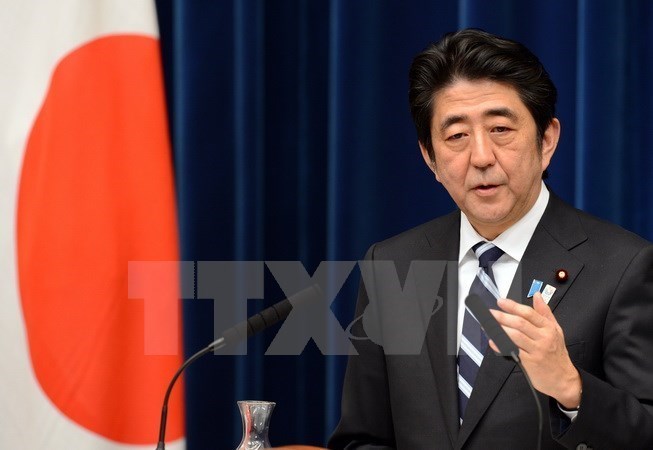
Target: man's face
[(486, 153)]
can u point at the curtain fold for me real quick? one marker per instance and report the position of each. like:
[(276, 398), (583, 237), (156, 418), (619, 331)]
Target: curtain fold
[(293, 141)]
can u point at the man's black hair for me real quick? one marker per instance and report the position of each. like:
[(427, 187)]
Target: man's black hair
[(474, 54)]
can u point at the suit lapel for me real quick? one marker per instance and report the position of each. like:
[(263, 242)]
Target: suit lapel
[(546, 253), (441, 333), (542, 260)]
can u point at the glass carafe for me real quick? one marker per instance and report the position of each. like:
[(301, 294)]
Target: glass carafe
[(256, 423)]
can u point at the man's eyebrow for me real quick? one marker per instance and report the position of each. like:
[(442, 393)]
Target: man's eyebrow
[(448, 121), (502, 112)]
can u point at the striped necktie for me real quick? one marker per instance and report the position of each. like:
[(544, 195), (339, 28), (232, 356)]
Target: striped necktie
[(474, 343)]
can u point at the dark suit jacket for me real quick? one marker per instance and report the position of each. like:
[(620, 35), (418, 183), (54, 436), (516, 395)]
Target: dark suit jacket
[(605, 309)]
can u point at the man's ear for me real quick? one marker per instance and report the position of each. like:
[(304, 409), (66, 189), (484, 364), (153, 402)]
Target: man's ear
[(550, 142), (430, 162)]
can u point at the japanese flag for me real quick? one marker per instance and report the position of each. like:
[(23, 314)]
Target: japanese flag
[(86, 186)]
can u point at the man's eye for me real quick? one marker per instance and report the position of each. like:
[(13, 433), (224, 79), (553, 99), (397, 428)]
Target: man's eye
[(455, 137), (501, 129)]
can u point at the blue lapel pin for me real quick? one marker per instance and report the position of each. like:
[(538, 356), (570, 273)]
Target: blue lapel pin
[(536, 285)]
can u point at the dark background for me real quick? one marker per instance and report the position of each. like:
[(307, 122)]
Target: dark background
[(293, 141)]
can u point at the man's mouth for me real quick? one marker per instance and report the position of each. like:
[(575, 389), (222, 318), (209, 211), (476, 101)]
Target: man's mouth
[(485, 188)]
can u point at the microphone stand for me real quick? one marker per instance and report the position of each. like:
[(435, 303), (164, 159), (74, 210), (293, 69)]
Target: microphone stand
[(540, 419), (256, 323), (506, 348), (218, 344)]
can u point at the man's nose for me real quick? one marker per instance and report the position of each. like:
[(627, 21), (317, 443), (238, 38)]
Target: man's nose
[(482, 151)]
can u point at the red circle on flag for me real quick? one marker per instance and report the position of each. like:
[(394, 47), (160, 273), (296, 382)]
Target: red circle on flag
[(96, 192)]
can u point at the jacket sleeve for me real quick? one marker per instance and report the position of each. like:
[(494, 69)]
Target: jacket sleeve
[(366, 418), (616, 410)]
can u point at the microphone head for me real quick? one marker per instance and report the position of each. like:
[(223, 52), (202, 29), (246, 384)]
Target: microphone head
[(270, 316), (494, 331)]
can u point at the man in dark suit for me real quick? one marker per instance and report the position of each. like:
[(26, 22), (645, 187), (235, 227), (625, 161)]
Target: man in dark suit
[(581, 290)]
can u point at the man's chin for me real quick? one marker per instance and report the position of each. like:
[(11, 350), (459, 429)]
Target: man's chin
[(488, 220), (489, 211)]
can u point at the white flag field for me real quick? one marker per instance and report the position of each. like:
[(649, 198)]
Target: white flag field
[(86, 186)]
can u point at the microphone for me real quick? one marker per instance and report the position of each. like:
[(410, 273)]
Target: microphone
[(505, 345), (245, 329), (491, 327)]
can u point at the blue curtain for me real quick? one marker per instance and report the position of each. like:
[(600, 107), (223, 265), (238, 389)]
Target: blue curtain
[(293, 141)]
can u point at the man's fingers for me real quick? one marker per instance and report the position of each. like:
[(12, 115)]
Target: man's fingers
[(521, 340), (493, 346), (515, 322), (524, 311), (542, 307), (520, 331)]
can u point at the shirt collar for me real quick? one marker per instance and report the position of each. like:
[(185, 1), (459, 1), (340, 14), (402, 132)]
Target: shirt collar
[(515, 239)]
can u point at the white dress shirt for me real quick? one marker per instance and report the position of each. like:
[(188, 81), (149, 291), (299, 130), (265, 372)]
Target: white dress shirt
[(513, 242)]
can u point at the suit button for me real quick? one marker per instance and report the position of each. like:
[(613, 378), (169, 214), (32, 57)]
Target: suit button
[(582, 446)]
